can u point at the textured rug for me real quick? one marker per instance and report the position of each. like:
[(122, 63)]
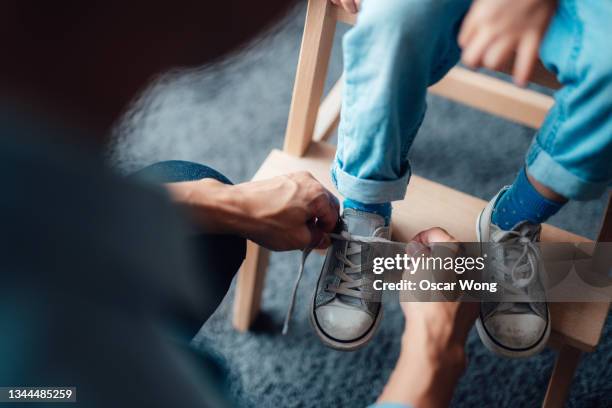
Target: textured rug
[(229, 116)]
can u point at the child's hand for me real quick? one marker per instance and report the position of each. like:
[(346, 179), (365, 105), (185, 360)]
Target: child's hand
[(352, 6), (494, 29)]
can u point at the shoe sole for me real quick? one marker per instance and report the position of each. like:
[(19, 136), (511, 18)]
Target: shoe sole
[(493, 345)]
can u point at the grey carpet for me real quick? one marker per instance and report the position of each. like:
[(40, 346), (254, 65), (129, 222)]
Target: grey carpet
[(229, 117)]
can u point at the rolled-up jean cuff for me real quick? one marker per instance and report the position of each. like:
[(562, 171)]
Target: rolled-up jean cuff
[(369, 191), (543, 168)]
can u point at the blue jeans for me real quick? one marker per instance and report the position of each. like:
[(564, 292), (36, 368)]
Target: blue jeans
[(219, 255), (174, 171), (400, 47)]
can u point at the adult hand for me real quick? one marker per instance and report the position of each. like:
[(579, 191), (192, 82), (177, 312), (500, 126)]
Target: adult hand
[(493, 30), (432, 356), (281, 213), (288, 212), (352, 6)]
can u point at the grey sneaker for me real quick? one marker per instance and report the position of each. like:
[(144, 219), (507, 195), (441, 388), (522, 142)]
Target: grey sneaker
[(513, 329), (346, 311)]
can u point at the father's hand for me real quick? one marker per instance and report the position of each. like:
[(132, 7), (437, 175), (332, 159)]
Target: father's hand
[(281, 213), (288, 212), (432, 356)]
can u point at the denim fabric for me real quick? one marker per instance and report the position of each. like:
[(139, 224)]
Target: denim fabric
[(99, 282), (572, 153), (173, 171), (220, 255), (400, 47)]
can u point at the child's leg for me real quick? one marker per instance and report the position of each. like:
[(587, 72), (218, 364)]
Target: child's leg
[(395, 51), (571, 158), (572, 154)]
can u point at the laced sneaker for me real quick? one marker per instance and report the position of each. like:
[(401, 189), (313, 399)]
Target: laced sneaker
[(346, 311), (513, 329)]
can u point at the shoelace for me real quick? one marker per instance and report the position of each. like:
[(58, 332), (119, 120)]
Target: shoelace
[(347, 284), (523, 270)]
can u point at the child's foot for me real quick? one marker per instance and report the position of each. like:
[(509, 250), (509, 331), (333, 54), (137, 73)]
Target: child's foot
[(509, 328), (345, 310)]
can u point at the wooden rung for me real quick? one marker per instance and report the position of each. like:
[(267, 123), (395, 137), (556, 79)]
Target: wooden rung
[(494, 96), (477, 90), (431, 204), (540, 74), (329, 113)]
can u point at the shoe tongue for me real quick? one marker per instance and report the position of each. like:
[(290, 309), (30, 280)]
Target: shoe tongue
[(362, 223)]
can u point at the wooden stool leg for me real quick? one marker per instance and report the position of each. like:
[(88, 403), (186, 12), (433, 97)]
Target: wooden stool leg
[(561, 377), (249, 286), (315, 51)]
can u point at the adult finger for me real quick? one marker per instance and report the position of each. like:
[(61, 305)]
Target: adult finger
[(317, 236), (432, 235), (326, 211), (303, 237), (335, 202), (324, 242)]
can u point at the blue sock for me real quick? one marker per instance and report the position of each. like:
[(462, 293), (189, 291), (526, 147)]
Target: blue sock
[(382, 209), (522, 202)]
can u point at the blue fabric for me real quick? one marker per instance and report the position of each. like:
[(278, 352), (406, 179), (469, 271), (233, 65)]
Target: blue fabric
[(83, 247), (572, 153), (400, 47), (383, 209), (390, 405), (174, 171), (522, 202)]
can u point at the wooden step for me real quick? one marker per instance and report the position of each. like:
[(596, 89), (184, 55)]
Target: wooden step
[(430, 204)]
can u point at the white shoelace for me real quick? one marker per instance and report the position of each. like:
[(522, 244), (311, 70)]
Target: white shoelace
[(348, 284), (523, 271)]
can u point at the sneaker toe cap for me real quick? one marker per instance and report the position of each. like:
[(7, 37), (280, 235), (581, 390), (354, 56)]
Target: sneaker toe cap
[(516, 331), (343, 322)]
